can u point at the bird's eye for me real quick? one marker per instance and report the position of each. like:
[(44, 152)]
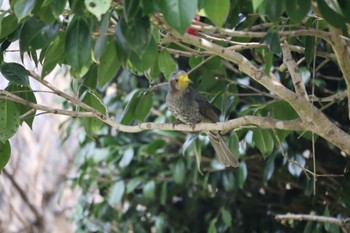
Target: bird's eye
[(177, 80)]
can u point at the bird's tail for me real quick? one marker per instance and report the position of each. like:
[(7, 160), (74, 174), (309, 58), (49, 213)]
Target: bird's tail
[(224, 154)]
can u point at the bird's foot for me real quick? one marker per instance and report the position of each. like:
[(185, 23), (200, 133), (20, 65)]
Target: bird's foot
[(193, 126)]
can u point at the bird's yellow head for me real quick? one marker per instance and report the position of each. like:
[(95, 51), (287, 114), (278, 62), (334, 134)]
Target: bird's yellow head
[(179, 81)]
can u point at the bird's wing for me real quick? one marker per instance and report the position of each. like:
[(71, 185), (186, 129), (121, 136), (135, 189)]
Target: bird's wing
[(205, 108)]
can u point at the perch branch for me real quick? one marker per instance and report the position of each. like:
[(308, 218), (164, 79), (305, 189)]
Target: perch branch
[(342, 223)]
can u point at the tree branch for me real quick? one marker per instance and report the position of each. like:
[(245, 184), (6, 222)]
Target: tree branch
[(342, 223), (294, 71), (342, 52), (313, 118)]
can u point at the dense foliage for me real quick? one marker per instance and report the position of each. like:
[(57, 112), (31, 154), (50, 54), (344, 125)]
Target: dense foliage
[(169, 181)]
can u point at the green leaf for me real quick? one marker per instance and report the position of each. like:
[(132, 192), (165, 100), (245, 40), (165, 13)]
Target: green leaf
[(226, 217), (242, 174), (309, 50), (133, 184), (5, 153), (15, 72), (163, 193), (78, 45), (130, 9), (131, 100), (149, 190), (257, 4), (268, 61), (332, 12), (297, 9), (9, 119), (97, 7), (57, 7), (109, 64), (274, 9), (137, 33), (272, 42), (228, 180), (217, 11), (122, 45), (154, 146), (8, 24), (23, 8), (212, 226), (179, 172), (91, 124), (178, 13), (263, 140), (90, 78), (35, 34), (24, 92), (147, 60), (54, 55), (269, 168), (128, 155), (143, 106), (102, 38), (116, 193), (166, 63)]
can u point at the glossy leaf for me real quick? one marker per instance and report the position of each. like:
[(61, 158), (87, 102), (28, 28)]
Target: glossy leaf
[(272, 42), (149, 190), (142, 63), (217, 11), (91, 124), (212, 226), (297, 9), (122, 45), (109, 64), (179, 172), (35, 34), (128, 114), (78, 44), (133, 184), (226, 217), (97, 7), (263, 140), (8, 24), (178, 13), (5, 153), (143, 106), (166, 63), (309, 50), (137, 33), (274, 9), (116, 193), (101, 40), (23, 8), (128, 155), (9, 119), (90, 78), (14, 72), (55, 54), (242, 174), (269, 168), (331, 11), (24, 92)]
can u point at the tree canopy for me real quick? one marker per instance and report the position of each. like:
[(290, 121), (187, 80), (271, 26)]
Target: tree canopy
[(278, 71)]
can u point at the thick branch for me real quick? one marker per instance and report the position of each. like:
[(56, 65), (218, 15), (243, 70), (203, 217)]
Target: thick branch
[(342, 52), (305, 217)]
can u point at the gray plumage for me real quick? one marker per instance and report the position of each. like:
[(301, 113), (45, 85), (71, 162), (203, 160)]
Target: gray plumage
[(189, 107)]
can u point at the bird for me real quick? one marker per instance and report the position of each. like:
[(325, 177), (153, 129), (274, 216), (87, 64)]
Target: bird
[(190, 107)]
